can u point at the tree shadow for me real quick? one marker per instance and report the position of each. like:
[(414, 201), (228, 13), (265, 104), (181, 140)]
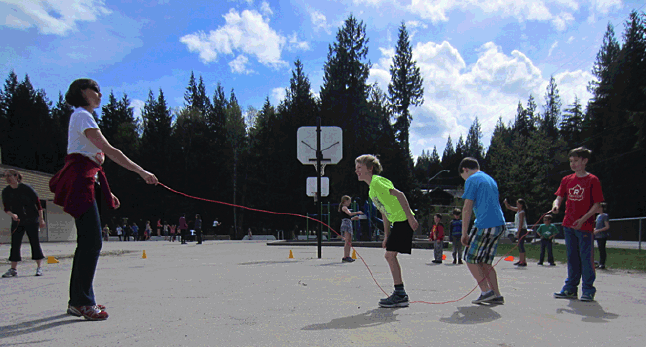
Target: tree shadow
[(592, 312), (370, 318), (34, 326), (472, 315)]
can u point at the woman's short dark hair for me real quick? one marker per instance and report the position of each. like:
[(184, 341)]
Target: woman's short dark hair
[(74, 95)]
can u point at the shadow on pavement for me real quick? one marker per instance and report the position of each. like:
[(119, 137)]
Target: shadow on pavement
[(592, 312), (371, 318), (269, 262), (472, 315), (34, 326)]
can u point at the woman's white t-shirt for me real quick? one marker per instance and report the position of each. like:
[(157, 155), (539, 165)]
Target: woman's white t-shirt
[(77, 142)]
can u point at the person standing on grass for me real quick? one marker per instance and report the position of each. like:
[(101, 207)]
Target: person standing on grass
[(520, 221), (601, 234), (394, 208), (547, 232), (22, 204), (584, 197), (481, 197)]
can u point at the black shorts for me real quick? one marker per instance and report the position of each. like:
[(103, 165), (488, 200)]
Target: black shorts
[(400, 238)]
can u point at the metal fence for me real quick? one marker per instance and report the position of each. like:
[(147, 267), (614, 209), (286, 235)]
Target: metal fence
[(621, 229)]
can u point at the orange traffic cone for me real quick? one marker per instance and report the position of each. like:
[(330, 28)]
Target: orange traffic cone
[(510, 258), (354, 254), (52, 260), (291, 255), (144, 255)]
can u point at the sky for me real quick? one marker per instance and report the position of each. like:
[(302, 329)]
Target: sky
[(477, 58)]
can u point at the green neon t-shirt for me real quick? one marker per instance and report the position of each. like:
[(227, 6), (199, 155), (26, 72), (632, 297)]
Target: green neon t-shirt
[(386, 203)]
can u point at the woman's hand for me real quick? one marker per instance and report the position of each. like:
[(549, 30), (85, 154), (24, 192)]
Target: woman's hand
[(116, 201), (148, 177), (15, 217), (41, 223)]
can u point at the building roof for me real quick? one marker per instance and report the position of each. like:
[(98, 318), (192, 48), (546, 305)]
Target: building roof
[(38, 180)]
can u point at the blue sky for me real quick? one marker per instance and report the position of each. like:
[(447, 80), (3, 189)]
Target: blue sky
[(478, 58)]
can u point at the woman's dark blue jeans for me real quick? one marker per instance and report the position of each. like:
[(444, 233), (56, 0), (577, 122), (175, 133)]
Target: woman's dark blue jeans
[(86, 257)]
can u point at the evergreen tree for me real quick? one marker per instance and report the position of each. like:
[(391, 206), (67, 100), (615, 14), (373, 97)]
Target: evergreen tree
[(473, 146), (405, 89), (572, 124), (61, 114), (552, 114), (449, 152)]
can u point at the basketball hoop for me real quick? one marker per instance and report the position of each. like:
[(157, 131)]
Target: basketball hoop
[(322, 168)]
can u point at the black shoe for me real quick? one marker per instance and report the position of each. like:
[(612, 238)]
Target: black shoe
[(394, 301), (552, 264), (460, 262), (485, 297), (540, 263), (522, 264), (436, 261), (602, 266), (454, 261), (517, 263)]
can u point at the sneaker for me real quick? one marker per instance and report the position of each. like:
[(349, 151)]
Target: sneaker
[(347, 260), (552, 264), (394, 301), (602, 266), (73, 311), (522, 264), (11, 272), (485, 297), (499, 300), (540, 263), (460, 262), (564, 294), (517, 263), (436, 261), (91, 312), (454, 261), (39, 271), (587, 297)]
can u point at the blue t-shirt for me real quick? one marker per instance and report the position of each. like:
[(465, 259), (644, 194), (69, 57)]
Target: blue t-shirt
[(483, 190), (456, 227), (602, 218)]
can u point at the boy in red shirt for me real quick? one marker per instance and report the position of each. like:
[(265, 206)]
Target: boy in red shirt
[(437, 236), (584, 197)]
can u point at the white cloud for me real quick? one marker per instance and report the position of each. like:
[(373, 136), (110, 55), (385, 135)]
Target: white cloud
[(265, 9), (137, 107), (554, 45), (570, 40), (277, 95), (57, 17), (455, 93), (605, 6), (245, 32), (239, 65), (295, 45), (561, 21), (319, 21)]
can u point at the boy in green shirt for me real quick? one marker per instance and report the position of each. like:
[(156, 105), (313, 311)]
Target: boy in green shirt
[(394, 209), (547, 232)]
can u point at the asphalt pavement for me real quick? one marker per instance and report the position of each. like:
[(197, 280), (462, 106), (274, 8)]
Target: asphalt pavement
[(246, 293)]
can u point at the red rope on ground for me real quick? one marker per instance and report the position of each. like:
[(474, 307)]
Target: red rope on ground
[(359, 255)]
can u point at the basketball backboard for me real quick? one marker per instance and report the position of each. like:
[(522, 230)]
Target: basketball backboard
[(331, 145), (310, 186)]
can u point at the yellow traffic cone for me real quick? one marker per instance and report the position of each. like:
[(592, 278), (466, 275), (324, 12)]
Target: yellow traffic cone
[(291, 255), (52, 260), (354, 254), (144, 255)]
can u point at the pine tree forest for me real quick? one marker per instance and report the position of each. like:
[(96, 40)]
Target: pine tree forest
[(216, 148)]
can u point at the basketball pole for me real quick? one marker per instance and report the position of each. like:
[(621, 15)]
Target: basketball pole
[(319, 156)]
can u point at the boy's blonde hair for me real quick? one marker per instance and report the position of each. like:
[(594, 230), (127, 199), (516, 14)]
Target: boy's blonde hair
[(343, 200), (371, 162)]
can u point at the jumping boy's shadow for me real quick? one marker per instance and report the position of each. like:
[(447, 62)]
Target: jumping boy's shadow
[(34, 326), (472, 315), (591, 311), (370, 318)]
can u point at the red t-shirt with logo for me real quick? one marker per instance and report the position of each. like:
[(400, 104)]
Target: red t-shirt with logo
[(581, 194)]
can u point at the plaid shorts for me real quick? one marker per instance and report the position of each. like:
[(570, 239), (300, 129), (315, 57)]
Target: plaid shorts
[(483, 244)]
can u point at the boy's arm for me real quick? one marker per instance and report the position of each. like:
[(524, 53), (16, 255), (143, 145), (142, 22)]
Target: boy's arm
[(593, 210), (557, 204), (404, 203), (467, 209)]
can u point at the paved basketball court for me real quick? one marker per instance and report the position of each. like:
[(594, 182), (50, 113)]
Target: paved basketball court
[(234, 293)]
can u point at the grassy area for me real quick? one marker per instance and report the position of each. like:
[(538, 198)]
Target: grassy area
[(618, 258)]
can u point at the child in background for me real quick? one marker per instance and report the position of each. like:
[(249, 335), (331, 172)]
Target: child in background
[(346, 226), (547, 232), (520, 221), (601, 234), (584, 198), (456, 233), (437, 236)]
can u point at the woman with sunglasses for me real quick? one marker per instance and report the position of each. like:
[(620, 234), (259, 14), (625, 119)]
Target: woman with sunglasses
[(21, 203), (73, 189)]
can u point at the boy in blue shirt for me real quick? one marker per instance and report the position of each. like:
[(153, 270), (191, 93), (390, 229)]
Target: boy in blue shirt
[(456, 234), (481, 196)]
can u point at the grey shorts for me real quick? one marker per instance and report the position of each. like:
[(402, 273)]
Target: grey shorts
[(346, 226)]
